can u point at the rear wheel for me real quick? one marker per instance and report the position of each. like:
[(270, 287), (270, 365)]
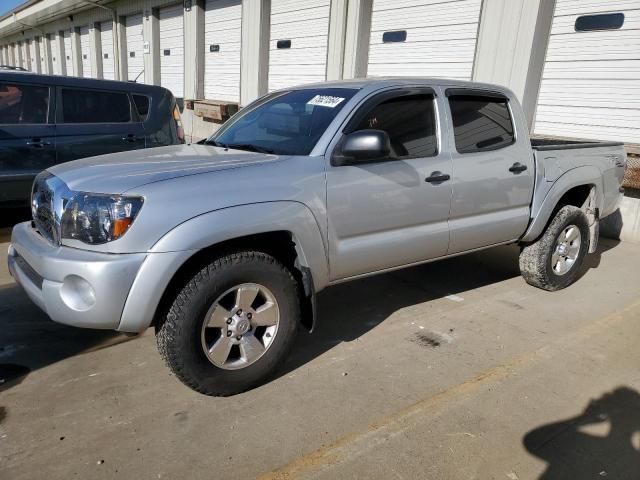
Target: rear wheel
[(554, 260), (232, 325)]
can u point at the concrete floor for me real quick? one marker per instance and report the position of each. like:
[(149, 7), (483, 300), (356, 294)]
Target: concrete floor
[(453, 370)]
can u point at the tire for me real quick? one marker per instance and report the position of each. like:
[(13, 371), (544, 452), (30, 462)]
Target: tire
[(541, 261), (182, 335)]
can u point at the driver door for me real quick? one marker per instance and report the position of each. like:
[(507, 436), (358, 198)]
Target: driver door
[(388, 213)]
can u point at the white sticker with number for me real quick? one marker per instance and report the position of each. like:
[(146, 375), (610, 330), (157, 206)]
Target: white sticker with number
[(325, 101)]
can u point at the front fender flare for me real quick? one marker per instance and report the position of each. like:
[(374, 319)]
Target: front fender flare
[(179, 244)]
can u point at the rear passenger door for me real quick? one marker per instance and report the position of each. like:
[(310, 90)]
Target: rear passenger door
[(95, 122), (27, 138), (493, 171)]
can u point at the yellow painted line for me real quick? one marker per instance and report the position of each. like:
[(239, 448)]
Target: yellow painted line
[(397, 421)]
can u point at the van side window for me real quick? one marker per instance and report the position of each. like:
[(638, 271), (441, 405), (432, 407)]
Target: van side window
[(142, 105), (481, 123), (93, 106), (410, 123), (20, 104)]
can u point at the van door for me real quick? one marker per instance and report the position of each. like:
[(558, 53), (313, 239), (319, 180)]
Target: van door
[(27, 138), (95, 122)]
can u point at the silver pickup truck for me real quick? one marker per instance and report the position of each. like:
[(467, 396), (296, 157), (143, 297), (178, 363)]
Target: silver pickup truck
[(222, 246)]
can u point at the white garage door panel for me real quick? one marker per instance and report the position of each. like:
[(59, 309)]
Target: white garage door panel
[(222, 27), (25, 54), (610, 45), (584, 131), (590, 86), (35, 64), (85, 48), (580, 7), (135, 48), (106, 39), (43, 63), (306, 24), (439, 43), (567, 24), (68, 53), (433, 51), (55, 54), (597, 93), (624, 69), (172, 42), (621, 117)]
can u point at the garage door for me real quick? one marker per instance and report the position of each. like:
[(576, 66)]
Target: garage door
[(68, 53), (590, 87), (298, 47), (222, 34), (425, 38), (43, 63), (25, 54), (135, 48), (172, 50), (85, 48), (55, 54), (33, 58), (106, 41)]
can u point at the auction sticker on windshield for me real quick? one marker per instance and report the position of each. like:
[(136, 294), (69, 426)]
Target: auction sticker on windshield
[(325, 101)]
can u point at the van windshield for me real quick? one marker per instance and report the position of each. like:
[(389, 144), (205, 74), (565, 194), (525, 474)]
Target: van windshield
[(284, 123)]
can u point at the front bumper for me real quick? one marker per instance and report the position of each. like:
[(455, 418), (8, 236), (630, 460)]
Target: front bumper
[(75, 287)]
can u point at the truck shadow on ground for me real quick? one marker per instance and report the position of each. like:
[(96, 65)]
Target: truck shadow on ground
[(348, 311), (601, 441), (29, 340)]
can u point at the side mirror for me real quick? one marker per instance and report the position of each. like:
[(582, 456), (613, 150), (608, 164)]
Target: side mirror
[(363, 146)]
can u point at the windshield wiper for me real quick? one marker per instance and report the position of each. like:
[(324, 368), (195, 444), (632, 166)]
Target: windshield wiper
[(215, 143), (249, 147)]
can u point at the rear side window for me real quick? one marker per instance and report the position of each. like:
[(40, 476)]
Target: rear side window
[(480, 123), (23, 104), (92, 106), (142, 105), (410, 123)]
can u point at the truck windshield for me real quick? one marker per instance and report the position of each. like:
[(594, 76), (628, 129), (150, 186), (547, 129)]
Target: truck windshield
[(284, 123)]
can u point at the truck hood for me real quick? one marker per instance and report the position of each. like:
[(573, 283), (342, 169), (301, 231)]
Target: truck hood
[(119, 172)]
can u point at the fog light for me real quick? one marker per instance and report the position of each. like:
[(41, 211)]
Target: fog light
[(77, 293)]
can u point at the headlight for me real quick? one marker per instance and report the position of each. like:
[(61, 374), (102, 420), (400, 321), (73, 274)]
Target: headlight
[(96, 218)]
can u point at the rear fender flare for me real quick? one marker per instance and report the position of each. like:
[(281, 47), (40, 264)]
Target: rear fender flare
[(573, 178)]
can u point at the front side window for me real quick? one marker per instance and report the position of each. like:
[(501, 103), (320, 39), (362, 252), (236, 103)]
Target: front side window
[(481, 123), (409, 121), (284, 123), (93, 106), (23, 104)]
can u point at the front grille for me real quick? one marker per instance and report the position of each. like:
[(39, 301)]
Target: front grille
[(42, 207)]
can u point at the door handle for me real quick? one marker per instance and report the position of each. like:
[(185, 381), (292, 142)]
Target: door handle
[(437, 177), (130, 138), (37, 143), (517, 168)]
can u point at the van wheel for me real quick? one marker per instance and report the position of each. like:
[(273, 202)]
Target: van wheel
[(232, 325), (554, 260)]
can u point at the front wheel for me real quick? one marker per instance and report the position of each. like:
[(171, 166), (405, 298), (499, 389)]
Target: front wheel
[(232, 324), (554, 260)]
